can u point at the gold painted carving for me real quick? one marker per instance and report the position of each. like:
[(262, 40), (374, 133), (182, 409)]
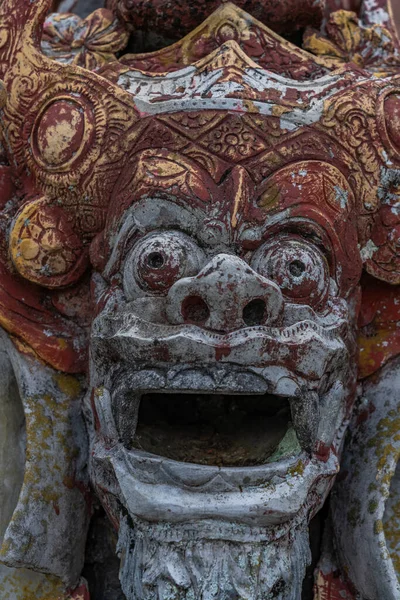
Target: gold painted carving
[(347, 40), (89, 43)]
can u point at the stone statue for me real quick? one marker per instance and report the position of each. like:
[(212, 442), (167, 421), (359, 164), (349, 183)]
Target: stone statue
[(199, 305)]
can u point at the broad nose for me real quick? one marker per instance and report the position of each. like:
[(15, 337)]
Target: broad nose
[(225, 296)]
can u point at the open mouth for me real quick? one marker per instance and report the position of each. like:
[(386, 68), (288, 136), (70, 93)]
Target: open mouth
[(215, 416), (224, 430)]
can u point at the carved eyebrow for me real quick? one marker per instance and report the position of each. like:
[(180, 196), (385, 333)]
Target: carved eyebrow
[(152, 213), (147, 215)]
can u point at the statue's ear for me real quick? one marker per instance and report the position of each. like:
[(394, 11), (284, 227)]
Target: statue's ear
[(379, 231), (380, 240)]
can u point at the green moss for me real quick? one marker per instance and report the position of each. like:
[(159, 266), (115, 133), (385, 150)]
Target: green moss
[(288, 446)]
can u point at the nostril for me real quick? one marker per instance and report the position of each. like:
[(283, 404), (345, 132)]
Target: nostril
[(254, 312), (194, 309), (155, 260), (297, 268)]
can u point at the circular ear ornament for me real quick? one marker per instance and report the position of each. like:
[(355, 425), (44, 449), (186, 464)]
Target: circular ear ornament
[(44, 248), (62, 132)]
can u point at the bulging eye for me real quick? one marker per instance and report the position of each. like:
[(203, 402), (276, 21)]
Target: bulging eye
[(298, 267), (160, 259)]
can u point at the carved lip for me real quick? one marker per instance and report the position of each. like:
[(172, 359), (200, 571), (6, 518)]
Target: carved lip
[(159, 489), (305, 346), (128, 324)]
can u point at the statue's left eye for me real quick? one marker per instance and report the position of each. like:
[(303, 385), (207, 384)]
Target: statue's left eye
[(158, 260), (297, 266)]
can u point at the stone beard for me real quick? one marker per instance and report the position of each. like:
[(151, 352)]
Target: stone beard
[(153, 566)]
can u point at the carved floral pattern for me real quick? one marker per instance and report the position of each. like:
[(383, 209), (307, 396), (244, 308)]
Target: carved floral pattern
[(44, 247), (89, 42), (174, 20), (233, 140)]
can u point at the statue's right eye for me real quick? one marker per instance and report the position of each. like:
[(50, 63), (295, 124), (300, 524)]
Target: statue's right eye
[(160, 259)]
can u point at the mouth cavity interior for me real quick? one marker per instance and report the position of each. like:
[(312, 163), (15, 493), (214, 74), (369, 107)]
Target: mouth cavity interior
[(215, 429)]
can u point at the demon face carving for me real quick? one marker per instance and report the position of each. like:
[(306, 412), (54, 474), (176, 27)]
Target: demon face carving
[(222, 372), (182, 238)]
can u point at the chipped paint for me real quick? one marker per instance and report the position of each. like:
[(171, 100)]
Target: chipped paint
[(223, 193)]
